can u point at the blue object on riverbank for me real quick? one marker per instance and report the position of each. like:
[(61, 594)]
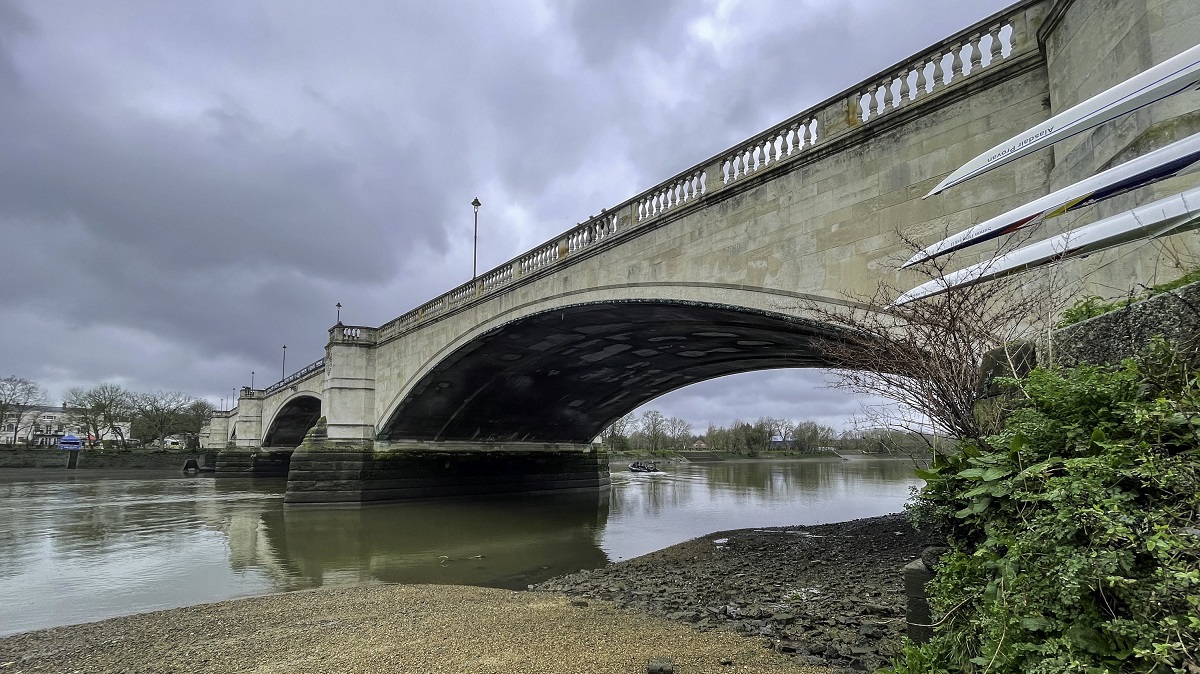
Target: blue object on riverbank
[(70, 443)]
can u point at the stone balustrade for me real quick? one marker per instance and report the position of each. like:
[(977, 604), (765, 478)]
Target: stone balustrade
[(540, 257), (769, 148), (671, 194), (978, 50), (592, 232), (495, 278), (945, 64), (461, 294)]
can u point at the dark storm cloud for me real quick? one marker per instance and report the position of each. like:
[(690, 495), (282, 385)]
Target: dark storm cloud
[(186, 187)]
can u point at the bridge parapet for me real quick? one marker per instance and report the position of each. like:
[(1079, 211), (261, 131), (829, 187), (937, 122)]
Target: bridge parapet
[(996, 39), (348, 334), (947, 66)]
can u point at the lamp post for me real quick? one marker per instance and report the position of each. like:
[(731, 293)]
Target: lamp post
[(475, 257), (251, 380), (339, 313), (283, 368)]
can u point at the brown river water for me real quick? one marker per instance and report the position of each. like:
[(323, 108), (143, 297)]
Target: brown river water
[(85, 547)]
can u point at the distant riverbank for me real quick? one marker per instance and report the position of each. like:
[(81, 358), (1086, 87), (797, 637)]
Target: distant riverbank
[(52, 458)]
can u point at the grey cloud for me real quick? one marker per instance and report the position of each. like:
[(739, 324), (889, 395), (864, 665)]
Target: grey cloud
[(186, 187), (605, 30)]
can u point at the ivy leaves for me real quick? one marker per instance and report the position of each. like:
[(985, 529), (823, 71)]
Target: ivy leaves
[(1075, 532)]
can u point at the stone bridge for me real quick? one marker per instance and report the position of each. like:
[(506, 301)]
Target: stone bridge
[(502, 383)]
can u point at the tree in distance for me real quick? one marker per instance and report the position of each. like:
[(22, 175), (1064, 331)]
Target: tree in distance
[(99, 411), (18, 397)]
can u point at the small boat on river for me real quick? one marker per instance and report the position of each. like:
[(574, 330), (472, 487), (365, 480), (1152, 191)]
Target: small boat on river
[(643, 467)]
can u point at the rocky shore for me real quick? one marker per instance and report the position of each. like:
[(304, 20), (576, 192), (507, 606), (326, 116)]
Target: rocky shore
[(828, 594)]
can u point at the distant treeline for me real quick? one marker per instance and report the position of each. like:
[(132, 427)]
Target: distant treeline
[(653, 432)]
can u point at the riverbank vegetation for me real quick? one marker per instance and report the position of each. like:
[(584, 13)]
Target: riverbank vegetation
[(1074, 531), (106, 415), (653, 435)]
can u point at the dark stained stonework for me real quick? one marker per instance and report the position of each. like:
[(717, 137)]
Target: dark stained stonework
[(352, 473), (263, 462)]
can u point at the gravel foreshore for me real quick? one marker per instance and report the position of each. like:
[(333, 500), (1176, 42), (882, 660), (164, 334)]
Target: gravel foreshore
[(828, 594), (385, 629), (796, 599)]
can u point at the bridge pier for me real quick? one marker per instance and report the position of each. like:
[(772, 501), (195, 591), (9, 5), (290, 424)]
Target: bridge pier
[(248, 430), (349, 387), (330, 471)]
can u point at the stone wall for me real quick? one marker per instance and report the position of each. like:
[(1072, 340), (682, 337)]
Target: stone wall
[(103, 460), (1122, 333)]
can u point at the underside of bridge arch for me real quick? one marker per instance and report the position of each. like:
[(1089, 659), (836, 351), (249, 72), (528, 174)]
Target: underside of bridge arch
[(292, 422), (563, 375)]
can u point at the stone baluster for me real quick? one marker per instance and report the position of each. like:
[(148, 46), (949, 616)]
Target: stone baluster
[(997, 48), (976, 52), (922, 82), (939, 73), (905, 91), (956, 66)]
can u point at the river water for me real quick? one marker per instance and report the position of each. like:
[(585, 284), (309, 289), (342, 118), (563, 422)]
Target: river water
[(82, 548)]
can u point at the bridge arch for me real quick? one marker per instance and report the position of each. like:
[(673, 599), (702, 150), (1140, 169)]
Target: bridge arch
[(562, 374), (292, 421)]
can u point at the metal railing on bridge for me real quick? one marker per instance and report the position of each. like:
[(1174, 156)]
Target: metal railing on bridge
[(303, 373)]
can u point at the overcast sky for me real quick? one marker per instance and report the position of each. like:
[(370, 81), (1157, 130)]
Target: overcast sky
[(185, 187)]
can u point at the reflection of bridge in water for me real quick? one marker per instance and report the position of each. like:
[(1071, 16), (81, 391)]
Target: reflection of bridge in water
[(508, 543), (500, 384)]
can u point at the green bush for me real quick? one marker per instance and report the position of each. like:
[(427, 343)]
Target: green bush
[(1075, 538)]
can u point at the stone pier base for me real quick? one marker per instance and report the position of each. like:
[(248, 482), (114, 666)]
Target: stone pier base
[(353, 473), (253, 462)]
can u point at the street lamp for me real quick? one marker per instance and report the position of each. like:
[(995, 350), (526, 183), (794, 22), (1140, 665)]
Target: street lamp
[(251, 380), (339, 313), (475, 258), (283, 369)]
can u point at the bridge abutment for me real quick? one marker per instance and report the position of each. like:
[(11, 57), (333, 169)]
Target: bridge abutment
[(327, 470)]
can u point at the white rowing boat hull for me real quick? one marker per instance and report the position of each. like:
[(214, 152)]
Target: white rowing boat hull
[(1169, 77), (1166, 216), (1176, 158)]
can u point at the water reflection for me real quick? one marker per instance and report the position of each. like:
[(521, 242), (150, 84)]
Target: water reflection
[(653, 510), (509, 542), (82, 549)]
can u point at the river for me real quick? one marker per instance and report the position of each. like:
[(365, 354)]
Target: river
[(85, 547)]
